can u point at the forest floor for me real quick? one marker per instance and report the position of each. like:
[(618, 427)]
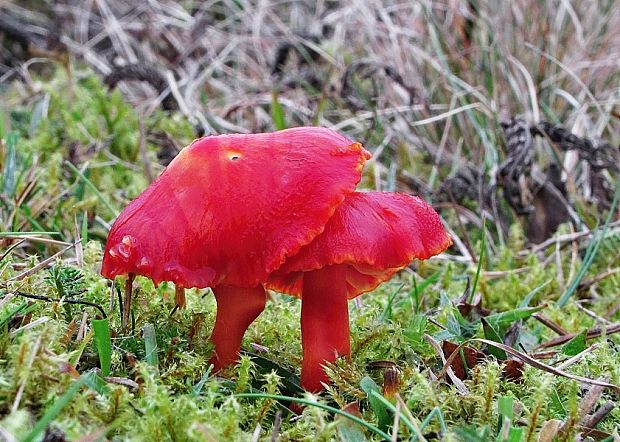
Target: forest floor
[(505, 116)]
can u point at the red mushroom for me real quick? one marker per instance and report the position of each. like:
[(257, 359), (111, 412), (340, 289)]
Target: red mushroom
[(370, 237), (227, 212)]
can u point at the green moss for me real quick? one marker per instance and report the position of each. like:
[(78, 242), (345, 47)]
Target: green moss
[(99, 130)]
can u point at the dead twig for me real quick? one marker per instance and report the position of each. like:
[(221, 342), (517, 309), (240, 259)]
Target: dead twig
[(41, 265), (146, 73), (549, 324), (66, 300), (591, 333), (528, 360)]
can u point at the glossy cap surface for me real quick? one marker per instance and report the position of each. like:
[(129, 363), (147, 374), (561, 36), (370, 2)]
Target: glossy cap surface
[(373, 235), (230, 209)]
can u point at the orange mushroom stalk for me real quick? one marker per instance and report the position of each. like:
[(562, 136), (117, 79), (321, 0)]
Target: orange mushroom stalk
[(227, 212), (237, 308), (370, 237)]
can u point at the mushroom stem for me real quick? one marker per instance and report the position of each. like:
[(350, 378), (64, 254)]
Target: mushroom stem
[(324, 323), (127, 303), (237, 308), (179, 296)]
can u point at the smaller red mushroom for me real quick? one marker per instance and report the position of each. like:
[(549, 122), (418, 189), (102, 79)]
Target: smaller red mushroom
[(370, 237)]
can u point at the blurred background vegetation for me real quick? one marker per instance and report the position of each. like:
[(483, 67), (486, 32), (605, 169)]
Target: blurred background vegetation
[(504, 115)]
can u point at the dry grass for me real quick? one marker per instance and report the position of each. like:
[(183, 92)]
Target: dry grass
[(425, 85)]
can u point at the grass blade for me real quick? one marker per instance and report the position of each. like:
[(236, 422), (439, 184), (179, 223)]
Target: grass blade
[(77, 354), (38, 233), (528, 298), (98, 384), (10, 178), (491, 333), (435, 412), (383, 417), (150, 345), (591, 251), (103, 341), (92, 187), (203, 380), (61, 403), (277, 112), (388, 405), (502, 320), (387, 313), (7, 317), (84, 229), (483, 246), (415, 429)]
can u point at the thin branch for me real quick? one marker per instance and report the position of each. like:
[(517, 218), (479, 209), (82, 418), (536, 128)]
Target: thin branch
[(67, 300)]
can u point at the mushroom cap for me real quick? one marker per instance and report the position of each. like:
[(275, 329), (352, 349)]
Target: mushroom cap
[(372, 236), (230, 209)]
